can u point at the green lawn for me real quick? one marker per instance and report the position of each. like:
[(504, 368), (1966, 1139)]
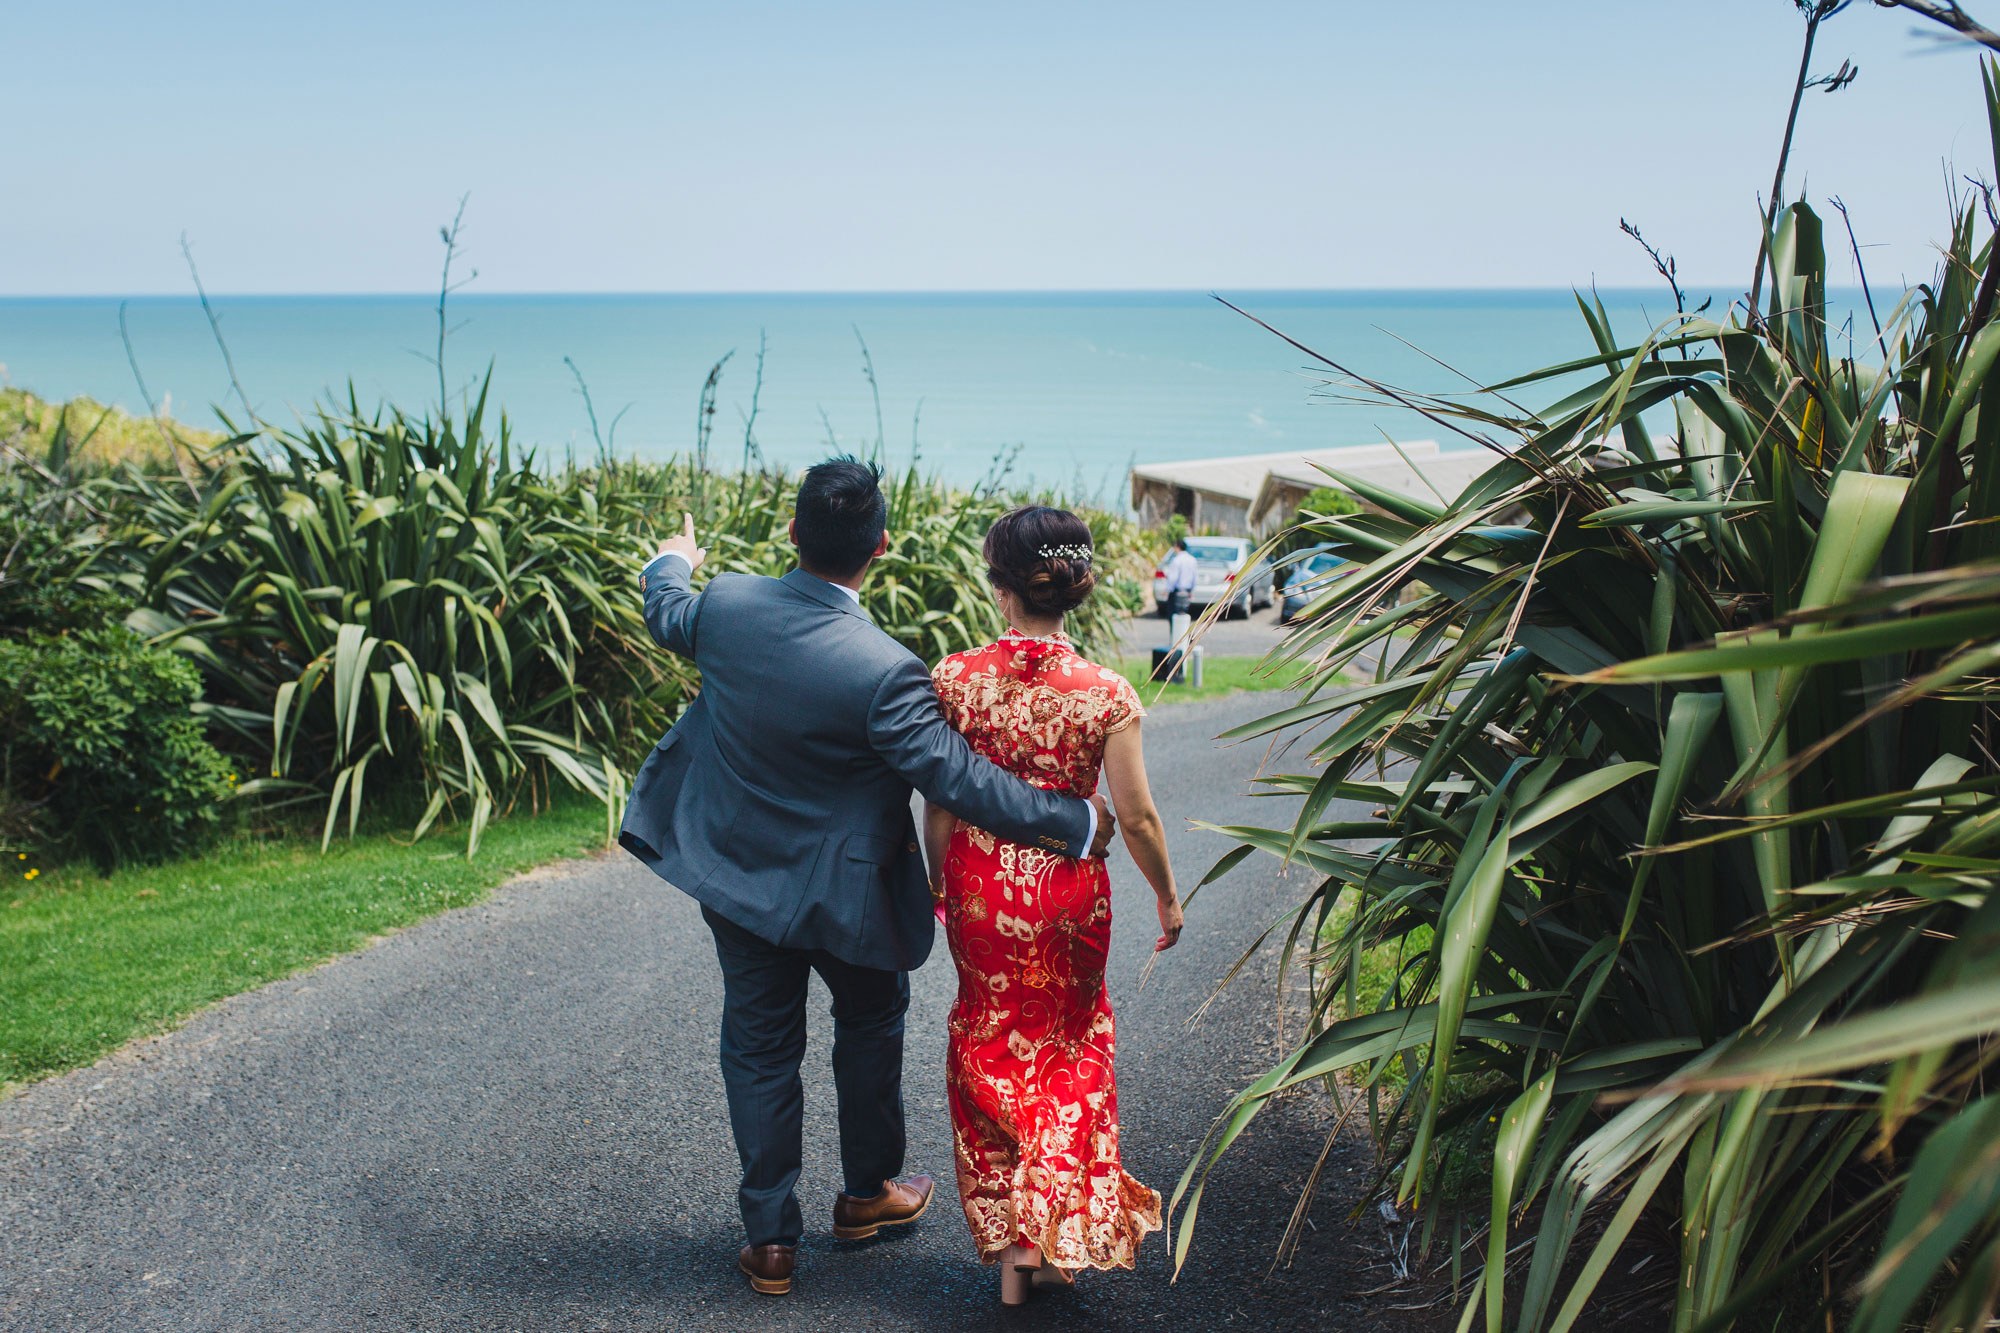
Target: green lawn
[(88, 962), (1219, 676)]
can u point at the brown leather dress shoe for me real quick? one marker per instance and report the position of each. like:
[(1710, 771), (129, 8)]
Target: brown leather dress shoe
[(900, 1201), (769, 1267)]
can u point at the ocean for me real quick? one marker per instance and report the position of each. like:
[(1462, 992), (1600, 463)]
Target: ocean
[(1072, 387)]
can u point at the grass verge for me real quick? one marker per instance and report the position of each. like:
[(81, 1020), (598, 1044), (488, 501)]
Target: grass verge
[(1219, 676), (88, 962)]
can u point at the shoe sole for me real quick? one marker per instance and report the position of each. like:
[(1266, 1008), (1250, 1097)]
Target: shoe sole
[(863, 1233), (769, 1286)]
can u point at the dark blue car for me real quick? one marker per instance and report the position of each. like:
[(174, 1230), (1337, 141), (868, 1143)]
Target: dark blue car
[(1308, 578)]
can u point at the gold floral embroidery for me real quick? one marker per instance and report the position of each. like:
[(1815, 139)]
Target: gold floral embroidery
[(1029, 1072), (1048, 724)]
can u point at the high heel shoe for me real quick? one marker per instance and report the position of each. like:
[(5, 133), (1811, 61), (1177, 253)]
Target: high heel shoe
[(1049, 1275), (1018, 1264)]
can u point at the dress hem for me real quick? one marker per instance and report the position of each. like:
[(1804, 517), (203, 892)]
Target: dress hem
[(1142, 1224), (991, 1257)]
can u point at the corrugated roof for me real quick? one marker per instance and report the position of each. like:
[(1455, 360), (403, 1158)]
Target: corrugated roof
[(1436, 472), (1243, 477), (1439, 473)]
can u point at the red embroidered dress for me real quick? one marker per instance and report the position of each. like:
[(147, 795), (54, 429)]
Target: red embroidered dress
[(1034, 1104)]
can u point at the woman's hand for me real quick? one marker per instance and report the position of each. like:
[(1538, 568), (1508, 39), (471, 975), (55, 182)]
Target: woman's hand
[(1170, 922), (938, 824)]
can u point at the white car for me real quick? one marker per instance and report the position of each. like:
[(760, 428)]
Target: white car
[(1219, 576)]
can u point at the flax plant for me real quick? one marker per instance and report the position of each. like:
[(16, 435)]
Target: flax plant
[(1677, 799), (929, 590), (381, 601), (376, 597)]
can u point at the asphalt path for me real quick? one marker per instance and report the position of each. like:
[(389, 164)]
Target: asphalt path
[(1252, 636), (510, 1117)]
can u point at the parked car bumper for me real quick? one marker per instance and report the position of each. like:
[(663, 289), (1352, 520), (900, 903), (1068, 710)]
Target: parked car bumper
[(1205, 594)]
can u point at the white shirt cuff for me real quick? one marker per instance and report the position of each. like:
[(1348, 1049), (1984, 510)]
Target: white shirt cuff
[(1090, 833), (668, 555)]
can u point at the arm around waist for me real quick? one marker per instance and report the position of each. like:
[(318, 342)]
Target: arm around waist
[(906, 726)]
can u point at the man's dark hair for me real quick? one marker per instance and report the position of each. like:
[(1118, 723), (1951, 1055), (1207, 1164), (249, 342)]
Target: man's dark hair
[(841, 514), (1180, 543)]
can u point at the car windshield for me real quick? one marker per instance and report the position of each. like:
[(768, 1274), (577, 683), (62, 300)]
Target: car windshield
[(1322, 562), (1224, 551)]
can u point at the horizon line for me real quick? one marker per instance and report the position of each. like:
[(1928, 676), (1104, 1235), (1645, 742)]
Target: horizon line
[(878, 292)]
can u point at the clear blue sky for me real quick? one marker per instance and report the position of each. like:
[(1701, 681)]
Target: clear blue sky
[(891, 146)]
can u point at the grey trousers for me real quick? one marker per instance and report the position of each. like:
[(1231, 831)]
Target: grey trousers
[(763, 1043)]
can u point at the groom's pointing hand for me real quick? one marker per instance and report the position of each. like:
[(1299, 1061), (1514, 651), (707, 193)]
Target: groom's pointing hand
[(1107, 824), (684, 545)]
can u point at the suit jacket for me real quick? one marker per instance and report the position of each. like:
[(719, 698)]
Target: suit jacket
[(781, 799)]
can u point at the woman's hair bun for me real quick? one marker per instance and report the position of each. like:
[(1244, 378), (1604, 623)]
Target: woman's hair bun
[(1043, 556)]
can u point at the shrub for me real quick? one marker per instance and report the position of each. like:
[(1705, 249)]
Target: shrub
[(101, 748), (52, 523), (45, 429), (928, 592), (1320, 502)]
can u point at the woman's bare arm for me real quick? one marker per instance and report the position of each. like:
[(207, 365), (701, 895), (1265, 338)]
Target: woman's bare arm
[(1139, 821), (938, 824)]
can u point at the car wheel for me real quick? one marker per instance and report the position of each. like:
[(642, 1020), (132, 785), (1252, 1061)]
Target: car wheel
[(1240, 608)]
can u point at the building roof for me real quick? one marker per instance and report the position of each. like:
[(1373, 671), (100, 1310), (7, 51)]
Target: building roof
[(1426, 476), (1241, 478)]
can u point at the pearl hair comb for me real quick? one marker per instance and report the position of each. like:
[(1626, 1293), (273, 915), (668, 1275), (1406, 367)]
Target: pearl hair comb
[(1064, 553)]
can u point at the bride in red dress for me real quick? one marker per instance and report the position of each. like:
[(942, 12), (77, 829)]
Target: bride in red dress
[(1034, 1103)]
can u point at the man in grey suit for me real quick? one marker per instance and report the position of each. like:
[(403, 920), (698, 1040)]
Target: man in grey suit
[(781, 802)]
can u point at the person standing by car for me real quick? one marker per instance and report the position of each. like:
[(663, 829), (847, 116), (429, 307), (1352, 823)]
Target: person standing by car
[(1180, 572)]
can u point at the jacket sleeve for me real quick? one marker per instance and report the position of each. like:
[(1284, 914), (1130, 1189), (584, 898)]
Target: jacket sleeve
[(906, 727), (671, 606)]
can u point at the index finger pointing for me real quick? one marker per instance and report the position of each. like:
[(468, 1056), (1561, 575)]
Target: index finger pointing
[(687, 525)]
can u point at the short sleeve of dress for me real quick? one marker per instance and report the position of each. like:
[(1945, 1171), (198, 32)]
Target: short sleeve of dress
[(1125, 708)]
